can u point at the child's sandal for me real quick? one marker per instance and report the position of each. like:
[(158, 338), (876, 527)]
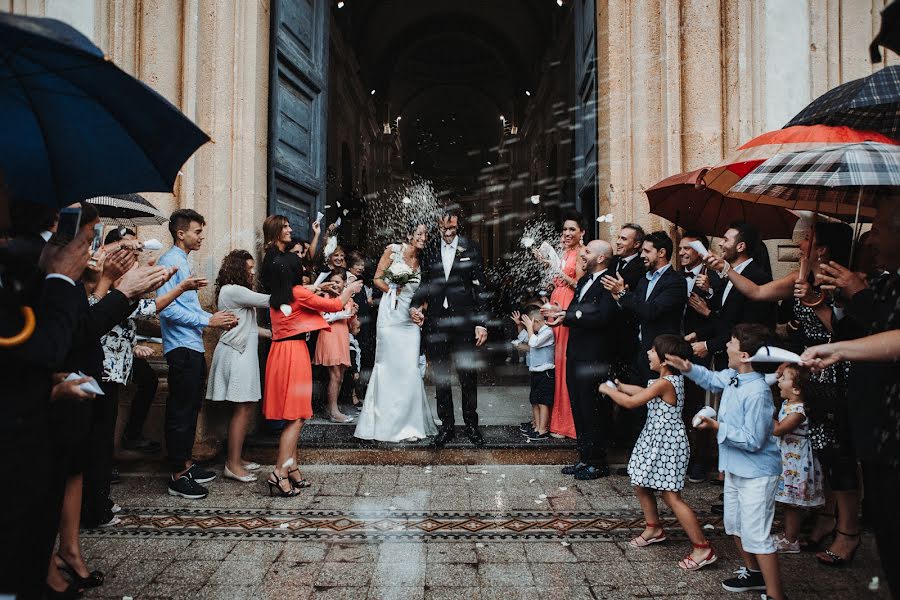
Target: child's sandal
[(642, 542), (689, 564)]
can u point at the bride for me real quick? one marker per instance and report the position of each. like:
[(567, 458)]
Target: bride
[(396, 408)]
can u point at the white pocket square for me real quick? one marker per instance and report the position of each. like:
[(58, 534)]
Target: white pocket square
[(476, 282), (464, 259)]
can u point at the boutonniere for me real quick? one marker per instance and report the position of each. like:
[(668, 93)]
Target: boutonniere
[(460, 250)]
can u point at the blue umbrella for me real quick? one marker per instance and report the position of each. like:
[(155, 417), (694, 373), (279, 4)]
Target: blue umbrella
[(73, 125)]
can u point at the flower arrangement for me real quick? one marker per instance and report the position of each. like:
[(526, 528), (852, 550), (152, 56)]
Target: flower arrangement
[(396, 276)]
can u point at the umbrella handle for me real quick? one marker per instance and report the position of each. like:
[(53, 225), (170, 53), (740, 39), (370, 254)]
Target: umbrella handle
[(23, 336)]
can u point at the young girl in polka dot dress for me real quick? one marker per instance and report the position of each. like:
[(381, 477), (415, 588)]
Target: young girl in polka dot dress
[(660, 457)]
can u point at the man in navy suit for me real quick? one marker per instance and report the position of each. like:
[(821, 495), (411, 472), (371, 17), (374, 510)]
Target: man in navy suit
[(591, 318), (657, 304)]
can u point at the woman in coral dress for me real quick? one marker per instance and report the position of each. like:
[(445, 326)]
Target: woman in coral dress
[(295, 311), (333, 346), (571, 270)]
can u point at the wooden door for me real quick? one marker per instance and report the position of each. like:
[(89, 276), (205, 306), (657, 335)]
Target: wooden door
[(298, 82), (586, 111)]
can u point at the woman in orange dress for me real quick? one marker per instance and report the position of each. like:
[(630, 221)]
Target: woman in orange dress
[(295, 311), (571, 267), (333, 346)]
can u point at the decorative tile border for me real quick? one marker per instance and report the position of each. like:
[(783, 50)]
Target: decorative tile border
[(388, 525)]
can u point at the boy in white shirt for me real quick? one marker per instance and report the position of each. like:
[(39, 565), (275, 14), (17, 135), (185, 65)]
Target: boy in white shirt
[(541, 366)]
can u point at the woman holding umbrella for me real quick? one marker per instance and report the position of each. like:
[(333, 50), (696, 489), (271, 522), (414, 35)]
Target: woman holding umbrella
[(816, 322)]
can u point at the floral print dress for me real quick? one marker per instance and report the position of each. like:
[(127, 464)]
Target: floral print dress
[(801, 478)]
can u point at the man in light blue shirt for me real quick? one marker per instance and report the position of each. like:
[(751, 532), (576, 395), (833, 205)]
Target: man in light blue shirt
[(182, 324), (748, 454)]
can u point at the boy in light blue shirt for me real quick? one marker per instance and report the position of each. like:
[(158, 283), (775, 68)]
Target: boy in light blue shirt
[(748, 454)]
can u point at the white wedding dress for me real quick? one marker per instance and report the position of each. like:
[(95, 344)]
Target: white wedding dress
[(396, 408)]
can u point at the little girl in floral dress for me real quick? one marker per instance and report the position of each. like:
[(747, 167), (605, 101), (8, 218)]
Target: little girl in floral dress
[(800, 485)]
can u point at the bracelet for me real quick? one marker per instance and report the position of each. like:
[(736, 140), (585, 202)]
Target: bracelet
[(725, 268)]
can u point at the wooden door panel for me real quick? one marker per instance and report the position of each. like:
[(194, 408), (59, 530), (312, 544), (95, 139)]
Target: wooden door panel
[(297, 109)]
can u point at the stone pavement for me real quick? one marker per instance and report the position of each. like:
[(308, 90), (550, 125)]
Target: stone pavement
[(411, 532)]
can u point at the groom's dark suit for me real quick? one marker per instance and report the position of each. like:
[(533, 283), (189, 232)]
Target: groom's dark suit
[(456, 304), (592, 322)]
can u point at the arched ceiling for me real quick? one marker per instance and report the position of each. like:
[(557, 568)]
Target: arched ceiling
[(449, 68)]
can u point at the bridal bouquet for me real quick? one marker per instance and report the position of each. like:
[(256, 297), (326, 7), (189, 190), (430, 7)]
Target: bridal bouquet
[(396, 276)]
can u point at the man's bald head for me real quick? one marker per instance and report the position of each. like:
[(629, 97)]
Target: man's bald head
[(598, 255)]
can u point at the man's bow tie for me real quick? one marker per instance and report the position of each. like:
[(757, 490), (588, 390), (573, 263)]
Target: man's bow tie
[(689, 274), (734, 381)]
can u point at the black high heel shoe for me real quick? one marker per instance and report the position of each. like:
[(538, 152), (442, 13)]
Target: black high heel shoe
[(831, 559), (275, 486), (298, 484), (95, 579), (813, 545)]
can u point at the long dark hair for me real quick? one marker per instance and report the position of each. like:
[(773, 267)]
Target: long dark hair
[(287, 271), (234, 271)]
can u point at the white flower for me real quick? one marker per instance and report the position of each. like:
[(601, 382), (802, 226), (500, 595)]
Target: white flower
[(400, 269)]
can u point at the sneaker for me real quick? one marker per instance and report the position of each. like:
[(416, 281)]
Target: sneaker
[(186, 487), (696, 473), (200, 475), (534, 436), (557, 436), (529, 431), (783, 546), (115, 509), (717, 509), (526, 426), (746, 581)]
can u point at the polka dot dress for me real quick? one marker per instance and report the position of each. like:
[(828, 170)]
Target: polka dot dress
[(659, 460)]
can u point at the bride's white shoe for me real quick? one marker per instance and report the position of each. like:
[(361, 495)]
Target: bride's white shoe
[(248, 478)]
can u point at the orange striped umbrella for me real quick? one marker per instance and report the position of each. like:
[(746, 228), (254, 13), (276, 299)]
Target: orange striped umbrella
[(727, 173)]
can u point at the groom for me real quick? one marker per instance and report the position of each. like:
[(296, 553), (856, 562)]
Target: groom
[(452, 294)]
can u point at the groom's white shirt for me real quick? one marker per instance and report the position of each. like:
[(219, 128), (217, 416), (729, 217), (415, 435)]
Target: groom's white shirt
[(448, 252)]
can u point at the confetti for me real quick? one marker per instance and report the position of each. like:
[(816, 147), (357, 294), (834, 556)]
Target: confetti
[(543, 496), (562, 488), (367, 494), (467, 478), (531, 480), (479, 545), (503, 475), (538, 501), (874, 585), (392, 508), (566, 544), (484, 472), (283, 526), (709, 526)]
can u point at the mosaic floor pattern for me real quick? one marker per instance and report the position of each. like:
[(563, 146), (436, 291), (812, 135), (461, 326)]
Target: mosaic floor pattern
[(387, 525)]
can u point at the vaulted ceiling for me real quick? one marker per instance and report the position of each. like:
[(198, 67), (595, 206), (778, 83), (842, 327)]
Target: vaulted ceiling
[(450, 69)]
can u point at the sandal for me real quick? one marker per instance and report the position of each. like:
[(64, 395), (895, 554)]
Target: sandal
[(832, 559), (813, 545), (275, 486), (689, 564), (95, 579), (642, 542), (299, 483)]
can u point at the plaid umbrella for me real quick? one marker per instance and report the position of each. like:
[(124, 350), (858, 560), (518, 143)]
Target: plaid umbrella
[(870, 103), (838, 181), (129, 210)]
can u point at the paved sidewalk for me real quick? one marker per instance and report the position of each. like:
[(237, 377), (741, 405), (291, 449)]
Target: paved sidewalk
[(411, 532)]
